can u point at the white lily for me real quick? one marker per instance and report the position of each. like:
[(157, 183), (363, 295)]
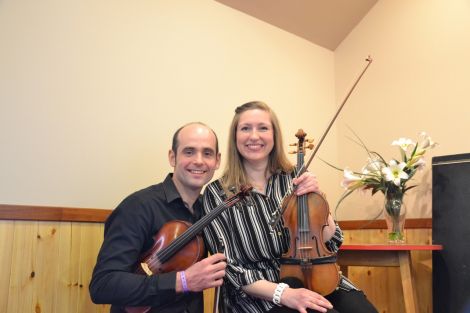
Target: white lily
[(403, 143), (420, 164), (394, 172), (416, 161), (350, 180), (372, 166), (426, 143)]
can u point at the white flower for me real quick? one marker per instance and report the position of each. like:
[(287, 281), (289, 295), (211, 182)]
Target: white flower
[(394, 172), (403, 143), (350, 181), (372, 166), (420, 164), (427, 142)]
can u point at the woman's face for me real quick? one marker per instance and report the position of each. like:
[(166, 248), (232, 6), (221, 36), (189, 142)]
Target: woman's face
[(255, 135)]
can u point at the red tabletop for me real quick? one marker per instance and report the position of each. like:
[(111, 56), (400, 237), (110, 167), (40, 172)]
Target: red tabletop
[(400, 247)]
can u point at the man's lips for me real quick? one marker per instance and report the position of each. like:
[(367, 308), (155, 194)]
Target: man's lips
[(197, 171)]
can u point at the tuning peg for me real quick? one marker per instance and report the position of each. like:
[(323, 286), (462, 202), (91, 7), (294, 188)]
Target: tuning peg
[(292, 152), (293, 144), (309, 146), (309, 140)]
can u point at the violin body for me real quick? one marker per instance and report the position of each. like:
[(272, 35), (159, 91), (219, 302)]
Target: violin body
[(192, 252), (308, 259)]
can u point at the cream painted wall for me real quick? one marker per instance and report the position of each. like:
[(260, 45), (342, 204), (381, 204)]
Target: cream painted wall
[(91, 91), (419, 81)]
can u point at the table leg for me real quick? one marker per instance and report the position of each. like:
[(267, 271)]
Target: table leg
[(409, 291)]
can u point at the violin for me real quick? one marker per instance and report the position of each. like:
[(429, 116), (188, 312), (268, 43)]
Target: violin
[(178, 245), (308, 259)]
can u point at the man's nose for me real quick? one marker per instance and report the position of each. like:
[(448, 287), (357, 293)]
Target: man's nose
[(198, 158)]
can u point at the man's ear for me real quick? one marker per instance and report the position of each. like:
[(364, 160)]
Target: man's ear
[(172, 158), (218, 161)]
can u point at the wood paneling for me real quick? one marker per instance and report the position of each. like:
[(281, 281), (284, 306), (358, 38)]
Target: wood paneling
[(46, 266), (47, 255)]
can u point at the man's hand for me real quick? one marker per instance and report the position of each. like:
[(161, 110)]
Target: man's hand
[(207, 273)]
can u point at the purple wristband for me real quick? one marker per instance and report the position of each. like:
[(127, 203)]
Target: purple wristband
[(184, 283)]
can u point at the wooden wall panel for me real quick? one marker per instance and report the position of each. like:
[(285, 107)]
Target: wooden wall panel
[(48, 266), (65, 286), (6, 247), (22, 268)]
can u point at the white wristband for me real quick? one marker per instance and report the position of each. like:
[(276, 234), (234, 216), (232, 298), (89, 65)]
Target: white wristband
[(278, 293)]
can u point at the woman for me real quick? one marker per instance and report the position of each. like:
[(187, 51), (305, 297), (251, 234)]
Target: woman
[(252, 246)]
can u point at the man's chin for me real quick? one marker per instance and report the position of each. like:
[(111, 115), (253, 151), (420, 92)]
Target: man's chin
[(199, 182)]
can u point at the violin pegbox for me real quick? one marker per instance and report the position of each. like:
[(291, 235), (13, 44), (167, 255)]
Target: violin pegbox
[(302, 143), (244, 195)]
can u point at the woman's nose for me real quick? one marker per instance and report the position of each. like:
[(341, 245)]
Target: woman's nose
[(254, 134)]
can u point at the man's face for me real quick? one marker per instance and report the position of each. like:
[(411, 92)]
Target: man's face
[(196, 158)]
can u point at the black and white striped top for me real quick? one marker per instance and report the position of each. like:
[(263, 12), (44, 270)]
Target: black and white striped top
[(252, 246)]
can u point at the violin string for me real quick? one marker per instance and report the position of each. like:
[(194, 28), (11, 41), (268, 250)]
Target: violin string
[(301, 214), (176, 245), (166, 253), (163, 255)]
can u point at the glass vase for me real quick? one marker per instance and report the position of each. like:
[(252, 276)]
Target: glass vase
[(395, 215)]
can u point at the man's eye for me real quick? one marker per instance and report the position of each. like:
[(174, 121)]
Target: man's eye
[(188, 152)]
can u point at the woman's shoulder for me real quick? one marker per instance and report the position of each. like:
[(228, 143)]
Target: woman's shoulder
[(214, 187)]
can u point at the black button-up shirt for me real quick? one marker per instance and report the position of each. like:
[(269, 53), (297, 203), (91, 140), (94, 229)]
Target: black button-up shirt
[(128, 233)]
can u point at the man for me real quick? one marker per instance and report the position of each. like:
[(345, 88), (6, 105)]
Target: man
[(130, 229)]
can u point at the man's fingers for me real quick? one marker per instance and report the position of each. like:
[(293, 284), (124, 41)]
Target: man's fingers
[(216, 258)]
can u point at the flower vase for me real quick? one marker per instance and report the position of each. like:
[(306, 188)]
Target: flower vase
[(394, 213)]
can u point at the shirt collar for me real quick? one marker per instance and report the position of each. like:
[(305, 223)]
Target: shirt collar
[(172, 194), (170, 190)]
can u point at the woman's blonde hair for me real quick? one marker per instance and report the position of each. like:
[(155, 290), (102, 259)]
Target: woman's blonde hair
[(234, 173)]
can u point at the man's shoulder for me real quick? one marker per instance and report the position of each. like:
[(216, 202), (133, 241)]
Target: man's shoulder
[(150, 193)]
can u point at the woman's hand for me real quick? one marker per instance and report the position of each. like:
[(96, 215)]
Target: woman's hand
[(307, 182), (302, 299)]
